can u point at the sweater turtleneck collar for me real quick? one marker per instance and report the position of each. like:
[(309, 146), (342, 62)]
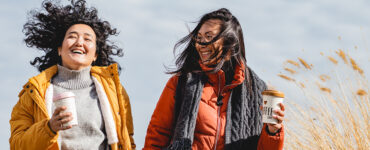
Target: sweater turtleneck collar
[(73, 79)]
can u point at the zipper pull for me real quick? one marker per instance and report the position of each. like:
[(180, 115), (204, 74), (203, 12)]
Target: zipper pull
[(219, 100)]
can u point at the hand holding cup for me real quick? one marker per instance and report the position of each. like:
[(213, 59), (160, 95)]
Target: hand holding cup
[(59, 118), (273, 128), (273, 109), (64, 115)]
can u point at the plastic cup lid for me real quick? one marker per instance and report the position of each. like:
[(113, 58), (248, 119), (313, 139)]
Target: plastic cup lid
[(273, 93), (63, 96)]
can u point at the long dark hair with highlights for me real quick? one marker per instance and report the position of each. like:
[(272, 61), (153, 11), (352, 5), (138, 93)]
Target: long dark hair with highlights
[(233, 46), (45, 30)]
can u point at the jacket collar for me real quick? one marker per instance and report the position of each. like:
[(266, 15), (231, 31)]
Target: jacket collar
[(42, 81), (239, 75)]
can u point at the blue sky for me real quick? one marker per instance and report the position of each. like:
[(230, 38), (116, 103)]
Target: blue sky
[(274, 30)]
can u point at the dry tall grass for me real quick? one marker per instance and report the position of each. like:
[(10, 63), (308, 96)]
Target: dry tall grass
[(333, 111)]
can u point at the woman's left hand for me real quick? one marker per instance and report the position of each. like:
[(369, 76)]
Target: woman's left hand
[(273, 128)]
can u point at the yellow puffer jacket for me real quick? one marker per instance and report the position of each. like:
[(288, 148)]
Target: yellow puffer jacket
[(29, 120)]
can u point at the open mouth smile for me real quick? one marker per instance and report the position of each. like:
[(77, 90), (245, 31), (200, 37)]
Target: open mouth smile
[(78, 51)]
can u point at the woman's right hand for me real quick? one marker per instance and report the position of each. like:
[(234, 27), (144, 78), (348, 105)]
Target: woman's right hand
[(58, 119)]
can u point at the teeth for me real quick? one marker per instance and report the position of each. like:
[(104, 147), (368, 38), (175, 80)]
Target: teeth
[(77, 51)]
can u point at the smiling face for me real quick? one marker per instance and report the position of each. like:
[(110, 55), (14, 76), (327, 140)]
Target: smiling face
[(209, 30), (78, 49)]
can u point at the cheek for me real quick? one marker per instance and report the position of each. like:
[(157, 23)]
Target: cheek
[(197, 47), (67, 43), (91, 47), (212, 47), (218, 45)]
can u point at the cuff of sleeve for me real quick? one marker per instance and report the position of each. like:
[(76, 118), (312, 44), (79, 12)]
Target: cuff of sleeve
[(275, 136), (48, 130), (268, 141), (272, 134)]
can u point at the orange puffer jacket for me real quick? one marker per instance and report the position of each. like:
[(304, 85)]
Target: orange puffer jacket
[(206, 136)]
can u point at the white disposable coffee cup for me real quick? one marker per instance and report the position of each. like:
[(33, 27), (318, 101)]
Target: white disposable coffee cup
[(271, 100), (66, 99)]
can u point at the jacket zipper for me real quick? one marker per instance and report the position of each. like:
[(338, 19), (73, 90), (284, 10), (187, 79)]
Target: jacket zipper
[(219, 108), (218, 112), (218, 126)]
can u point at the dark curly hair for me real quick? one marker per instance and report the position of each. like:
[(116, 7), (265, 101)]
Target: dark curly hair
[(45, 30)]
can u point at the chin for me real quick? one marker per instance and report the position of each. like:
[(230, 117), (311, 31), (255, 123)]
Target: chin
[(81, 62), (78, 66)]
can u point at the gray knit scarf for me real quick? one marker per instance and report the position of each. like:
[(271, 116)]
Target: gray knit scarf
[(244, 119)]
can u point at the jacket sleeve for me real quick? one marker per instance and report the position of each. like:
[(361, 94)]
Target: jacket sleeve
[(129, 122), (25, 133), (271, 142), (160, 127)]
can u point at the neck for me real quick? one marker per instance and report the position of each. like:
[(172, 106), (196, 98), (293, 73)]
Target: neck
[(73, 79)]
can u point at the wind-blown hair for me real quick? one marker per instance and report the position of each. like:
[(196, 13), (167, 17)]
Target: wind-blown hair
[(233, 45), (45, 30)]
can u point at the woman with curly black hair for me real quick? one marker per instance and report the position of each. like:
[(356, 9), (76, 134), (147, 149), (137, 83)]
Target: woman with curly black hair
[(213, 99), (77, 60)]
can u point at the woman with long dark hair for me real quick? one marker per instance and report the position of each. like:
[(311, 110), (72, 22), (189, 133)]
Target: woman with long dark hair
[(213, 101), (78, 59)]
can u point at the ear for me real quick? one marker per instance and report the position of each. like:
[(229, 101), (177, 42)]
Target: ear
[(96, 56), (59, 50)]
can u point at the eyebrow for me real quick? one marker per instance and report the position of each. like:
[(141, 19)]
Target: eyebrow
[(208, 32), (74, 32)]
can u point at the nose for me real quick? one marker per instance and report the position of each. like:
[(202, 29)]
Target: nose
[(79, 41), (204, 40)]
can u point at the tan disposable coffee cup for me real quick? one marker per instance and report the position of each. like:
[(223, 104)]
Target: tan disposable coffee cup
[(66, 99), (271, 100)]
